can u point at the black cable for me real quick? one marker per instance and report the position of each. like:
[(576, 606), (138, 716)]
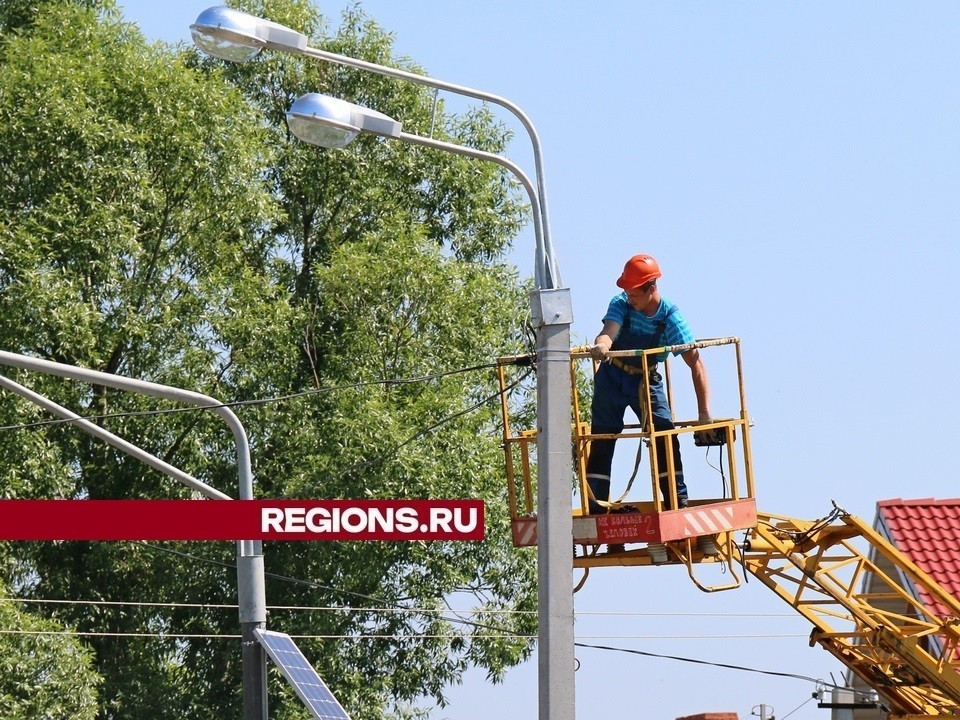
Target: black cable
[(723, 477), (801, 538), (258, 401), (317, 586), (727, 666), (392, 452), (484, 626), (798, 707), (743, 559)]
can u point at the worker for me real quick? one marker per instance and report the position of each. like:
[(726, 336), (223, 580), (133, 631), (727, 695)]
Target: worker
[(639, 318)]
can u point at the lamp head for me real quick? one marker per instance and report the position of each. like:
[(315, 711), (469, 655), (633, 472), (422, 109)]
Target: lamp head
[(334, 123), (238, 36), (322, 120)]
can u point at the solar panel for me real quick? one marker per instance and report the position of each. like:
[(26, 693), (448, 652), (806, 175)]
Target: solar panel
[(300, 674)]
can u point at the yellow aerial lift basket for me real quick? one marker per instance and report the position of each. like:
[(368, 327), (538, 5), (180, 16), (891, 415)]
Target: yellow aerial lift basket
[(640, 532)]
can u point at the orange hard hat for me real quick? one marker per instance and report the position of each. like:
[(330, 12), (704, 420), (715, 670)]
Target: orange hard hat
[(639, 270)]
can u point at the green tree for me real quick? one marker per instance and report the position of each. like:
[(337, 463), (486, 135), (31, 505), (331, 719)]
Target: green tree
[(158, 221), (131, 219), (44, 672)]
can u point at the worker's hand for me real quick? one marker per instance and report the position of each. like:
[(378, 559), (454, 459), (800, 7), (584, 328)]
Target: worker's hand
[(599, 352), (708, 438)]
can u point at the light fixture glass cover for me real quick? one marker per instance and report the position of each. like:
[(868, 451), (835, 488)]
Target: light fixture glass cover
[(227, 34), (322, 120)]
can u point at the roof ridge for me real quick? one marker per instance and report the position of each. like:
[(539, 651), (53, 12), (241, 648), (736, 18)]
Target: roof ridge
[(918, 501)]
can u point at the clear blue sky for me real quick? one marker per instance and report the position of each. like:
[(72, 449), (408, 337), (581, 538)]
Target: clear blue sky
[(795, 168)]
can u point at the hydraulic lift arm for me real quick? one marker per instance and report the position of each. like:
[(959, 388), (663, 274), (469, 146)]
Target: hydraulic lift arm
[(855, 588)]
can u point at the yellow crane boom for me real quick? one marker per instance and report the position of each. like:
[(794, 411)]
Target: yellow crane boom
[(860, 593)]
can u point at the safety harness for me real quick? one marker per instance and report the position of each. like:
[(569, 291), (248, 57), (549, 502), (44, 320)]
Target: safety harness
[(634, 366)]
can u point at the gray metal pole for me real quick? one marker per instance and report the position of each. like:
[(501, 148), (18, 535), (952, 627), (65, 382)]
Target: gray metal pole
[(552, 316), (250, 573), (251, 592)]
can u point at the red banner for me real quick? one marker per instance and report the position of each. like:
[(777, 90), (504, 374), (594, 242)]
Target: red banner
[(241, 520)]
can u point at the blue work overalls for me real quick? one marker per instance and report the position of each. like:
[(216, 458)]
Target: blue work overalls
[(613, 391)]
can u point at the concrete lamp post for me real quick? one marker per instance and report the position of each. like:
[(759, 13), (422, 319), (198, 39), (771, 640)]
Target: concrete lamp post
[(330, 122)]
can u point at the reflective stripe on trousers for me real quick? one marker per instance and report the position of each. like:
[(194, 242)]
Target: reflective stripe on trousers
[(614, 391)]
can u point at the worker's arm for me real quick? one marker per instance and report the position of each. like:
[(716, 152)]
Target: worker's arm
[(701, 386), (604, 340)]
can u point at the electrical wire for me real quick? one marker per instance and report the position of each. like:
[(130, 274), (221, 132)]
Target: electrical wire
[(727, 666), (120, 603), (258, 401), (395, 636), (797, 707), (95, 633), (425, 611), (392, 452), (456, 618), (723, 476), (341, 608), (499, 631), (327, 588)]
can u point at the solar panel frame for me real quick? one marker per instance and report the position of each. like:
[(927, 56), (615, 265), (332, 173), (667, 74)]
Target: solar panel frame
[(298, 671)]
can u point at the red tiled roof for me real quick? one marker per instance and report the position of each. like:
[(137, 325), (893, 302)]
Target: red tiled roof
[(928, 532)]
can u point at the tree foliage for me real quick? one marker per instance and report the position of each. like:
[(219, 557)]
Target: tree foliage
[(157, 220), (44, 671)]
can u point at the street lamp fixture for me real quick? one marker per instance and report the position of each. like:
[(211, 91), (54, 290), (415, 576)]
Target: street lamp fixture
[(239, 37), (334, 123)]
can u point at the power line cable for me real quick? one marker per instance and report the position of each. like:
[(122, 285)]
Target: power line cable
[(327, 588), (386, 636), (96, 633), (392, 452), (340, 608), (257, 401), (478, 625), (416, 636), (387, 607), (798, 707), (728, 666)]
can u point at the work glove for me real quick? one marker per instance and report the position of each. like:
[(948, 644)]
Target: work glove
[(598, 353)]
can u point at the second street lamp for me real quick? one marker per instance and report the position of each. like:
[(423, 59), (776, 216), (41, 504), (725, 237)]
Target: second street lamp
[(331, 122), (334, 123)]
